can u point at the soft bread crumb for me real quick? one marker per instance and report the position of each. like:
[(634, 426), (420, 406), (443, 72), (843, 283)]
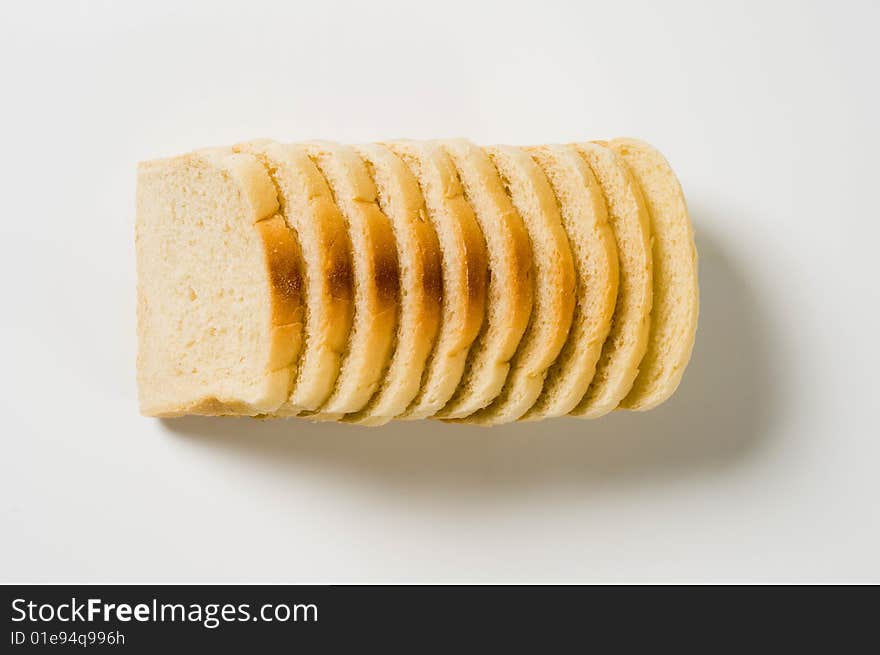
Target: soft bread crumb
[(198, 352)]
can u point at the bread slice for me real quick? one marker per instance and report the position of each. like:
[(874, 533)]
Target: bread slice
[(463, 261), (308, 207), (219, 309), (676, 291), (585, 219), (554, 286), (509, 293), (375, 277), (628, 338), (418, 256)]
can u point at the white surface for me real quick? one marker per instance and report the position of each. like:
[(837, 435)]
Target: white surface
[(764, 467)]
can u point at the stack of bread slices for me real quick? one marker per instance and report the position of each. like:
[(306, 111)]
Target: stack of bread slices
[(413, 279)]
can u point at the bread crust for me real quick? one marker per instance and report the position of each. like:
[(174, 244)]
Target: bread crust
[(554, 286), (418, 252), (308, 208), (676, 288), (375, 276), (463, 261), (585, 219), (284, 268), (283, 284), (510, 285), (627, 339)]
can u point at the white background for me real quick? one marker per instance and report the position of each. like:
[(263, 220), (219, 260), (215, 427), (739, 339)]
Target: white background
[(764, 467)]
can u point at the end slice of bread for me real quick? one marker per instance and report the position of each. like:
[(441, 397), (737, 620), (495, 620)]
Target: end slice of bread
[(554, 286), (676, 291), (375, 276), (463, 262), (628, 338), (509, 294), (418, 255), (309, 209), (585, 219), (219, 307)]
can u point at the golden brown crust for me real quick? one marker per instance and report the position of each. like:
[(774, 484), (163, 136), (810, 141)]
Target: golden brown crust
[(554, 286), (463, 257), (420, 276), (309, 209), (376, 279), (510, 288), (284, 267)]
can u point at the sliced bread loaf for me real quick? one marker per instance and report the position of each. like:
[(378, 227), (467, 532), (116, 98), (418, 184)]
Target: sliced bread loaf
[(463, 262), (219, 308), (585, 219), (676, 292), (628, 338), (554, 286), (374, 268), (509, 293), (308, 207), (418, 256)]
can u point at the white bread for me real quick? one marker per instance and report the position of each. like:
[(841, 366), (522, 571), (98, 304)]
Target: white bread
[(585, 219), (509, 293), (463, 260), (628, 338), (309, 209), (413, 280), (374, 268), (676, 293), (219, 309), (554, 286), (418, 255)]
